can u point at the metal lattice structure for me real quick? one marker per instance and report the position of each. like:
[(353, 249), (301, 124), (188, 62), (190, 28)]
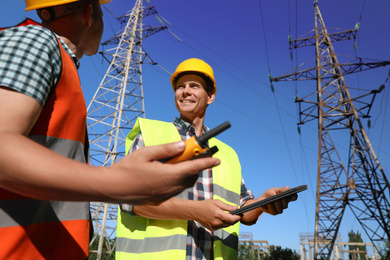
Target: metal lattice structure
[(339, 251), (359, 182), (113, 111)]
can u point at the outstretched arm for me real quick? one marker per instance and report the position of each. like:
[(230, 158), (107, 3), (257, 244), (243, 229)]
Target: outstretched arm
[(31, 170)]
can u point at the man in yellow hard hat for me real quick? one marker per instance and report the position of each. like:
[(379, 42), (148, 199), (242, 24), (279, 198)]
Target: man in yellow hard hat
[(195, 224), (45, 181)]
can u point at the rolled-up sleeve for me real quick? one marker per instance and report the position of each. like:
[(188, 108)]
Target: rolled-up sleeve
[(246, 194)]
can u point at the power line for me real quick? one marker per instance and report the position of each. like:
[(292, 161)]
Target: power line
[(275, 100)]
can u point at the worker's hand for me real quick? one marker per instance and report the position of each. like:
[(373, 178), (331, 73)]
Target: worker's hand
[(278, 206), (214, 214), (140, 178)]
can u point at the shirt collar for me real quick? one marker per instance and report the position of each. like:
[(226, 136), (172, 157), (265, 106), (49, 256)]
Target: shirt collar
[(187, 126)]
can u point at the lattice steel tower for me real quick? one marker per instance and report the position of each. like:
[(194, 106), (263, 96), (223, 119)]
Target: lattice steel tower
[(359, 182), (117, 103)]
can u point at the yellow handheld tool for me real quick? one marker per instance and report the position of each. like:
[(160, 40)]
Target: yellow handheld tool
[(197, 146)]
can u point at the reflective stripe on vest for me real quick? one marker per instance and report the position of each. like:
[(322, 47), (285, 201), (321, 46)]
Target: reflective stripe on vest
[(35, 229), (142, 238), (227, 190)]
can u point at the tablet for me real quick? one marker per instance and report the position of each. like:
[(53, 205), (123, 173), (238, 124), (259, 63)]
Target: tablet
[(263, 202)]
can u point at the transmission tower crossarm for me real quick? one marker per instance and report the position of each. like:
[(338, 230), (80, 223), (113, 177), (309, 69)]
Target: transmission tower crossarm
[(311, 41), (150, 10), (146, 33), (346, 68), (152, 30)]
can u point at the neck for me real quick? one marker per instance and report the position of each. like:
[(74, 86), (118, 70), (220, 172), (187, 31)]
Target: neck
[(72, 47), (71, 35), (197, 123)]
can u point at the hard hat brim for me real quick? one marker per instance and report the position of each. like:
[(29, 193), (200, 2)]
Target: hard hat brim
[(196, 66), (38, 4), (177, 73)]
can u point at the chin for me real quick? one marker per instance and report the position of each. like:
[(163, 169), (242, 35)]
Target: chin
[(186, 110), (90, 53)]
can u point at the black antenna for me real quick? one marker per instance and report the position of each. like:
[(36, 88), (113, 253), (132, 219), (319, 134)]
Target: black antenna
[(202, 140)]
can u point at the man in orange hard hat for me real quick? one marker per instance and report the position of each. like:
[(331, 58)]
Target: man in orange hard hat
[(195, 224), (45, 181)]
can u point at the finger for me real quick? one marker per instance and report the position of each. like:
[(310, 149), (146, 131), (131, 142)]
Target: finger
[(284, 189), (184, 174), (270, 209), (230, 219), (294, 197), (234, 219), (278, 207), (284, 203), (225, 206), (194, 166), (163, 151)]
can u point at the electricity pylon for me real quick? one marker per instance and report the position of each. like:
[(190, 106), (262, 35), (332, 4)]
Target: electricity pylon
[(116, 105), (359, 183)]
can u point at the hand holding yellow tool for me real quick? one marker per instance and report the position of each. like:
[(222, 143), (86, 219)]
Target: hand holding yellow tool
[(197, 146)]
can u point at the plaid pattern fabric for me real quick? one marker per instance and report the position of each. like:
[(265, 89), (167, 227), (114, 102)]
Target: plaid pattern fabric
[(199, 239), (30, 60)]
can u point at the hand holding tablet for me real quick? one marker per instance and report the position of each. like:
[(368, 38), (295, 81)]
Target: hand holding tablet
[(269, 200)]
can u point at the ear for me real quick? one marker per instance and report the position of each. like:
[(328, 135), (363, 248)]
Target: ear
[(88, 14), (211, 98)]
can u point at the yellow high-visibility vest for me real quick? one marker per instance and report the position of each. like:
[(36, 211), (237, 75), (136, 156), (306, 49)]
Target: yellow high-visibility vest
[(141, 238)]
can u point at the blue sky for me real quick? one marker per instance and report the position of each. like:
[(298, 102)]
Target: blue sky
[(243, 41)]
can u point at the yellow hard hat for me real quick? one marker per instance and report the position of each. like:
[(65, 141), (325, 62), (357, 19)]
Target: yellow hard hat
[(194, 65), (38, 4)]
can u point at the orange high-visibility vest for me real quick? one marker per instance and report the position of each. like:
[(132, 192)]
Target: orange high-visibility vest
[(35, 229)]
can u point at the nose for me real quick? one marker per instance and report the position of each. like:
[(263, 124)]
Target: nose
[(187, 90)]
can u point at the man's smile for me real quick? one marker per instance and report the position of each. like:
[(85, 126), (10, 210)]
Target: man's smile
[(187, 101)]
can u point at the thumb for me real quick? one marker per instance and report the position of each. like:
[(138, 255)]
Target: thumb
[(227, 207), (285, 188), (164, 151)]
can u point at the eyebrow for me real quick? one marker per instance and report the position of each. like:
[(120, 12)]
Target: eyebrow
[(188, 82)]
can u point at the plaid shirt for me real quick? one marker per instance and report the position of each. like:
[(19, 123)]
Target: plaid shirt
[(30, 60), (199, 239)]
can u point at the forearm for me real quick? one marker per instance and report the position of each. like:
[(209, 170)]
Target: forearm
[(173, 209), (211, 214), (31, 170), (250, 217), (42, 174), (34, 171)]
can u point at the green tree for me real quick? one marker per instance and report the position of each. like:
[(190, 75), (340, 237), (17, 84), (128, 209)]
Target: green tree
[(105, 255), (385, 251), (279, 253), (356, 237), (247, 251)]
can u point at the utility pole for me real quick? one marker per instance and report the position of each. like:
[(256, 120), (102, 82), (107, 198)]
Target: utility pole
[(359, 182), (115, 107)]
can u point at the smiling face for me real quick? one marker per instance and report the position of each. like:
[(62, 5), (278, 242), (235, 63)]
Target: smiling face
[(191, 98)]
